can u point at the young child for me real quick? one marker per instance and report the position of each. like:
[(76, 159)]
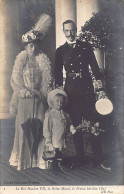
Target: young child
[(57, 124)]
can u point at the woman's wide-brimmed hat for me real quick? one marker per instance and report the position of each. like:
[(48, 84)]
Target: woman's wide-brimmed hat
[(55, 92), (39, 30)]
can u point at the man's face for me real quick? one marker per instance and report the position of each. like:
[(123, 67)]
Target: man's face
[(70, 31)]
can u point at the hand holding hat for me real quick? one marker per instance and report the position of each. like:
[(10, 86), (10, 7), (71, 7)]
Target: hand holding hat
[(103, 105)]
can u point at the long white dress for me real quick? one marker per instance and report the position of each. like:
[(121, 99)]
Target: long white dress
[(34, 74)]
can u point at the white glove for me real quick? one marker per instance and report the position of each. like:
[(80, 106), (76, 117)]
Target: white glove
[(99, 84), (101, 94), (72, 129)]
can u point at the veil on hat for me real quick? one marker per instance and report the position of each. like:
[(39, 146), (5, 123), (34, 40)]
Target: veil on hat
[(39, 30)]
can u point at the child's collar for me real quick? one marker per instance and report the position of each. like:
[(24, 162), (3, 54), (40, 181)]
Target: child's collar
[(57, 110)]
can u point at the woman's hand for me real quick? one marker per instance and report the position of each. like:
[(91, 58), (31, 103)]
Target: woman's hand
[(23, 93), (28, 94), (36, 93)]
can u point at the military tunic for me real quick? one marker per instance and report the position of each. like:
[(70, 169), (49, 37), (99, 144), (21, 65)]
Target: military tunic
[(79, 88), (78, 84)]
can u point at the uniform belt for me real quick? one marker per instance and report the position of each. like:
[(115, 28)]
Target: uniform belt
[(74, 75)]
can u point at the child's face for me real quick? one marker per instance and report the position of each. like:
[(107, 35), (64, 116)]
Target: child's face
[(58, 102)]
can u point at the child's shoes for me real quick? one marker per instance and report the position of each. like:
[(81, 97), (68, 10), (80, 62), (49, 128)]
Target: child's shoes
[(55, 167)]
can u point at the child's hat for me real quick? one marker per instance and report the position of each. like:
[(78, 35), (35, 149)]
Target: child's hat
[(55, 92)]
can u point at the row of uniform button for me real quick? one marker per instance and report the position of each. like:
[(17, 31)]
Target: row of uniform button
[(79, 62), (76, 72), (78, 56), (73, 64)]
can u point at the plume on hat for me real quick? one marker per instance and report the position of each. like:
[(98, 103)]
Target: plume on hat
[(43, 24), (39, 30)]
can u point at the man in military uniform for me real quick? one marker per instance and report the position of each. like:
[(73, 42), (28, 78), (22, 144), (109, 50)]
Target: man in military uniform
[(76, 56)]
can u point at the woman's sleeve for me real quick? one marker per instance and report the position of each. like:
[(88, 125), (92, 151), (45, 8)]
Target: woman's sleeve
[(16, 81), (47, 78)]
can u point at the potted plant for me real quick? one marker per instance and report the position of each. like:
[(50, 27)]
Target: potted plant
[(103, 32)]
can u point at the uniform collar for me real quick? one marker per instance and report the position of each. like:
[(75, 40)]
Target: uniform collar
[(69, 42)]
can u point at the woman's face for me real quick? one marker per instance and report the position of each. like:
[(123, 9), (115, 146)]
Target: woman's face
[(31, 48)]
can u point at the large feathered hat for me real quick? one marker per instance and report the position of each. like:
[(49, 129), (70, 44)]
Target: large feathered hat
[(39, 30)]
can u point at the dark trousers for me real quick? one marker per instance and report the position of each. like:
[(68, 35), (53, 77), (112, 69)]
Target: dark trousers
[(95, 142), (79, 145), (79, 106)]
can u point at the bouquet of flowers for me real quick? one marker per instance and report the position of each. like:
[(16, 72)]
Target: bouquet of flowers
[(90, 127)]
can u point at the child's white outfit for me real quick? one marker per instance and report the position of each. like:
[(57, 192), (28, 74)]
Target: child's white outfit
[(56, 127), (57, 124)]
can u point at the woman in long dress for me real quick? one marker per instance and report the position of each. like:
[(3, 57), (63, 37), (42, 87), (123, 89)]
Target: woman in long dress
[(31, 78)]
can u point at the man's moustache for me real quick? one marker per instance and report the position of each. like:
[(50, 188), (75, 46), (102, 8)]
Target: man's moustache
[(70, 36)]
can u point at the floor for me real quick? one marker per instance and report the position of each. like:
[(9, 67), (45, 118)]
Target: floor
[(85, 175)]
